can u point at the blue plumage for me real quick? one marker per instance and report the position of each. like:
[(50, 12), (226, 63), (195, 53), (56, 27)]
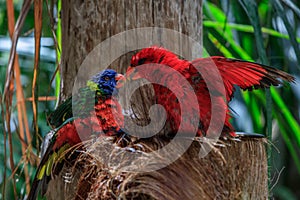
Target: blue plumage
[(106, 81)]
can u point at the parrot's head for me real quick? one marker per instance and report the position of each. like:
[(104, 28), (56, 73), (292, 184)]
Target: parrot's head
[(152, 54), (106, 80)]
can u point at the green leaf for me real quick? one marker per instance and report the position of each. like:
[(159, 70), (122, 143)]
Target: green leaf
[(247, 29), (218, 15), (58, 50), (222, 48), (280, 11), (285, 193), (254, 111), (288, 140), (287, 115), (251, 9)]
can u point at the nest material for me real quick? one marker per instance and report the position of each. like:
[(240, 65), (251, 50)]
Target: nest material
[(234, 170)]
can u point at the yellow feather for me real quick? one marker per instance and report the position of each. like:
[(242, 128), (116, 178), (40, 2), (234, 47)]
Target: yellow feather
[(62, 149), (49, 164), (53, 158), (41, 173), (93, 86)]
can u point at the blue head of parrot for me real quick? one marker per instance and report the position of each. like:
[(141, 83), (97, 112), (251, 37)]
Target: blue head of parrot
[(107, 80)]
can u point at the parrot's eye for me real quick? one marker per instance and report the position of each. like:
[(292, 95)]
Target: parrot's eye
[(106, 78)]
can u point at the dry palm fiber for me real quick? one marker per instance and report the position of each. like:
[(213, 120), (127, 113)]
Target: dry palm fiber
[(232, 170)]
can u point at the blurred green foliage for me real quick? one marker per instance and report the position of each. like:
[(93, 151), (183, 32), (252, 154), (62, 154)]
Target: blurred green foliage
[(228, 31)]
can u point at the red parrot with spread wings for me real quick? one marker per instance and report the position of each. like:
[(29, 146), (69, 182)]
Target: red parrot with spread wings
[(212, 81)]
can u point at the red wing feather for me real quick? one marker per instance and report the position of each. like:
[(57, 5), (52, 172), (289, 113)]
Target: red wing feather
[(246, 75)]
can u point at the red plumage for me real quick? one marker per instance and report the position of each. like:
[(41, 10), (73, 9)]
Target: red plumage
[(212, 80), (106, 118)]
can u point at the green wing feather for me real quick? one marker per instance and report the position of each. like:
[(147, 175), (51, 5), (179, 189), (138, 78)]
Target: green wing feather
[(61, 113), (83, 101)]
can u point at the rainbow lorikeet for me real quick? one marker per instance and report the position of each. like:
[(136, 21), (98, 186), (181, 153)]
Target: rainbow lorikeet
[(206, 77), (103, 116)]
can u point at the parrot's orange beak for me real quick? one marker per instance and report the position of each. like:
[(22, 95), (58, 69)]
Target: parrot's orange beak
[(119, 77), (131, 74)]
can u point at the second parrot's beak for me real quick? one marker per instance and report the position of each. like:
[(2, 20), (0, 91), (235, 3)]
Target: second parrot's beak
[(119, 77), (130, 75)]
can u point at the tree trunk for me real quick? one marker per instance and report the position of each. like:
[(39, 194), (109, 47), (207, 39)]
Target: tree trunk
[(85, 24), (237, 170)]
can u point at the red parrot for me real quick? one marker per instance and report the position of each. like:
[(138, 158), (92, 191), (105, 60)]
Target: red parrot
[(96, 113), (212, 81)]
